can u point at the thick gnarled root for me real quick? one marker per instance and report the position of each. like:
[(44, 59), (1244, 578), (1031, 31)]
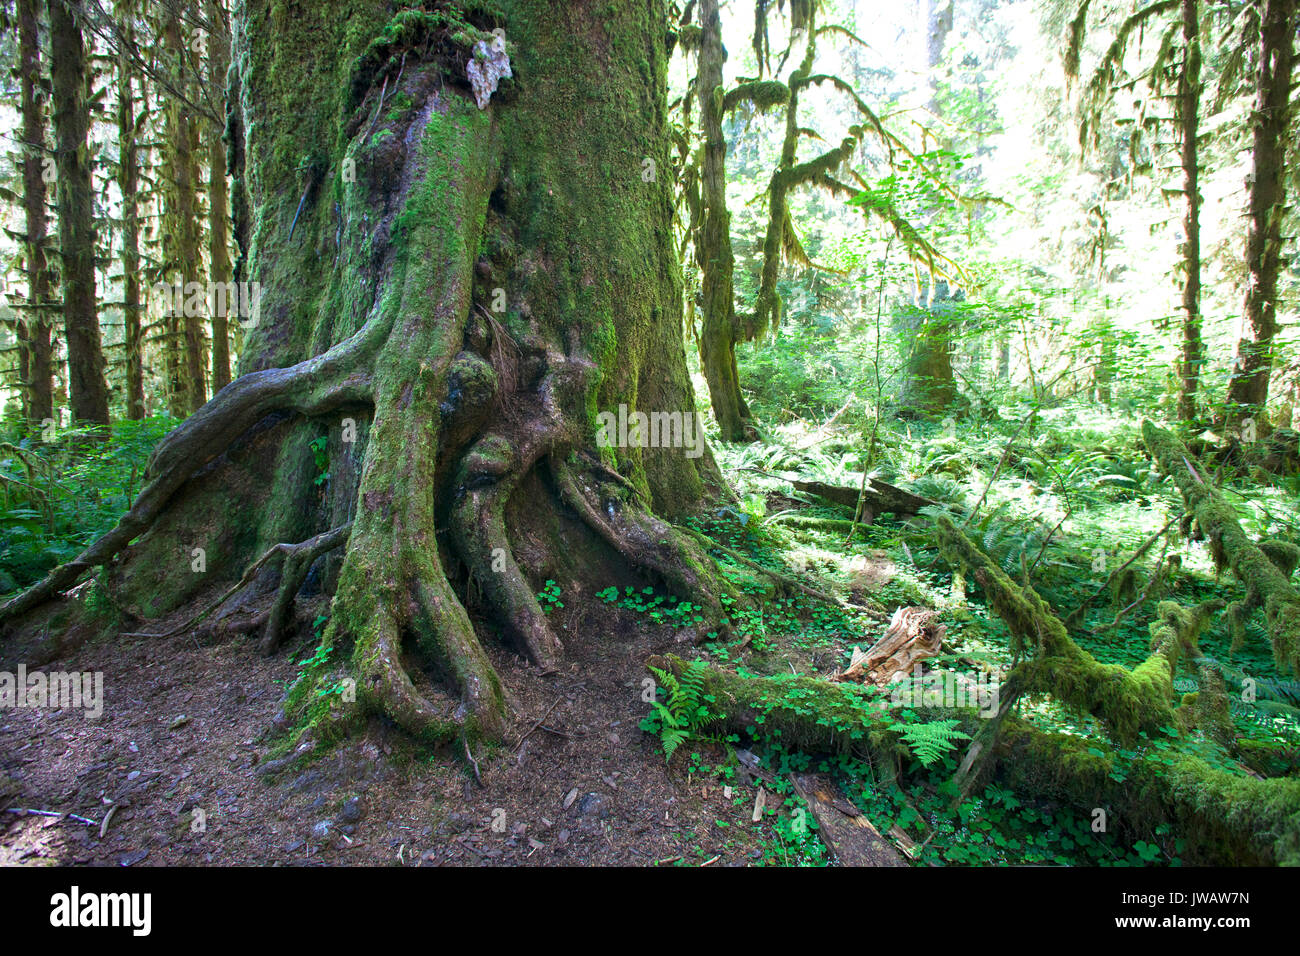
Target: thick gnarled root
[(314, 387), (647, 543), (490, 473)]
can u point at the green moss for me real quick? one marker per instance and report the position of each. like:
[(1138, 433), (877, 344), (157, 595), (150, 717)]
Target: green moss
[(1225, 819), (763, 94), (1127, 702), (1263, 569)]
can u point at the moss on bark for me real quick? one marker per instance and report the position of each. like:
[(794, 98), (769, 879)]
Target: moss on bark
[(1264, 568)]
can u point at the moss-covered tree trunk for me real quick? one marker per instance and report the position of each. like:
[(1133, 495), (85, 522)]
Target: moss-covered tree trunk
[(1187, 114), (69, 68), (718, 331), (1266, 205), (128, 173), (36, 366), (218, 192), (930, 385), (453, 288)]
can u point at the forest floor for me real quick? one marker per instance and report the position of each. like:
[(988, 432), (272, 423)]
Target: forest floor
[(182, 731)]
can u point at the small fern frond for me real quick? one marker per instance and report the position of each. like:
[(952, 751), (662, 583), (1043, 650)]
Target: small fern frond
[(930, 741)]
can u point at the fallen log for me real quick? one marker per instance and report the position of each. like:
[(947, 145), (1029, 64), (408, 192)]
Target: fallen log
[(1265, 568), (804, 713), (877, 498), (1225, 818), (850, 837), (1126, 702)]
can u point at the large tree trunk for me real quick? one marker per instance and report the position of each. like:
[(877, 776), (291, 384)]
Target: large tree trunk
[(713, 245), (1248, 388), (218, 193), (129, 181), (36, 367), (187, 372), (929, 384), (1188, 113), (70, 80), (455, 433)]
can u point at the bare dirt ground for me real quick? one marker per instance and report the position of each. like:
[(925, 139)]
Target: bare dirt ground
[(183, 730)]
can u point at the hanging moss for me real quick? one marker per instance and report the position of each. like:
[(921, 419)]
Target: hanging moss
[(764, 94), (1263, 568)]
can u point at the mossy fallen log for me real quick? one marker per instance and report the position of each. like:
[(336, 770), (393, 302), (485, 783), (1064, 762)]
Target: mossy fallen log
[(878, 497), (1126, 702), (802, 713), (1224, 819), (1264, 568)]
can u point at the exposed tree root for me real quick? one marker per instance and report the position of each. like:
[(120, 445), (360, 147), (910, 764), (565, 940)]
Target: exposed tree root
[(1265, 568), (647, 542), (313, 387), (296, 561)]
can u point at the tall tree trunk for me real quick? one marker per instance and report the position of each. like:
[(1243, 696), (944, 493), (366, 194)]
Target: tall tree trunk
[(713, 245), (1248, 387), (218, 192), (36, 366), (70, 83), (129, 182), (929, 385), (184, 329), (447, 421), (1188, 113)]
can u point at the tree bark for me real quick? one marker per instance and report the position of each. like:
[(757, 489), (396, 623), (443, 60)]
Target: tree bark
[(713, 245), (929, 385), (1188, 114), (1265, 568), (1248, 387), (36, 367), (450, 300), (218, 192), (70, 82), (187, 366), (129, 182)]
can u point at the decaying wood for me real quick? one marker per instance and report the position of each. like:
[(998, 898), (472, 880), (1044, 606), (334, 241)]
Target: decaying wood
[(914, 634), (851, 838), (877, 498)]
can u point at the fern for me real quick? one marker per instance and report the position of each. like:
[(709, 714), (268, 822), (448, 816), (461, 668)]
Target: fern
[(930, 741), (684, 710)]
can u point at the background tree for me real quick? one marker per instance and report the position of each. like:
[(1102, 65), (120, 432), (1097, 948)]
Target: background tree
[(1265, 209), (36, 358), (87, 388)]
